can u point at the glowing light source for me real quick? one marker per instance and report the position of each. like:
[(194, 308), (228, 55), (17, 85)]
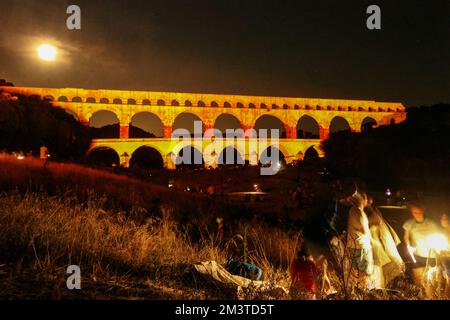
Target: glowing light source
[(47, 52), (437, 242)]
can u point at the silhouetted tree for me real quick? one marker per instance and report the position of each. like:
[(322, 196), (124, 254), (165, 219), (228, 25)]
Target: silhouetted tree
[(110, 131), (414, 153), (27, 123)]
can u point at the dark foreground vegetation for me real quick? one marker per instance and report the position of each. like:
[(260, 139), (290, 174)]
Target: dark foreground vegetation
[(127, 236)]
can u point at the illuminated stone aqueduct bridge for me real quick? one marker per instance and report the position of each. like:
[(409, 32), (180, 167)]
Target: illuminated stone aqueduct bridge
[(208, 107)]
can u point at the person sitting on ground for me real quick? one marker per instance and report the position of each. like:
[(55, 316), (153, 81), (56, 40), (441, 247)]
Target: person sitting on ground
[(303, 273), (416, 231), (387, 261)]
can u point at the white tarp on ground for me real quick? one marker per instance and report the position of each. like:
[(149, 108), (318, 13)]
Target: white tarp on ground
[(218, 274)]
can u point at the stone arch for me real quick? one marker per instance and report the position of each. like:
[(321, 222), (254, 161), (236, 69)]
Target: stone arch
[(117, 101), (368, 123), (308, 128), (284, 150), (146, 124), (77, 99), (189, 157), (174, 103), (49, 98), (63, 99), (72, 113), (91, 100), (230, 156), (147, 157), (269, 154), (240, 105), (227, 121), (104, 156), (263, 106), (131, 101), (185, 120), (104, 100), (104, 124), (285, 106), (227, 104), (188, 103), (214, 104), (201, 104), (251, 106), (270, 122), (161, 103), (274, 106), (146, 102), (311, 154), (338, 124)]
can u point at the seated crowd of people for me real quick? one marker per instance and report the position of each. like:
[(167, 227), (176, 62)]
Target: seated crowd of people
[(369, 254)]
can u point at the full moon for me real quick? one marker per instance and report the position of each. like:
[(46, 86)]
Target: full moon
[(47, 52)]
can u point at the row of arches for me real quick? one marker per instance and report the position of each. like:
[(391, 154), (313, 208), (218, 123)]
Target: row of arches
[(147, 157), (216, 104), (148, 125)]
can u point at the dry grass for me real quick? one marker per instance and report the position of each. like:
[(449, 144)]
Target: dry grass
[(134, 196), (43, 235), (126, 235)]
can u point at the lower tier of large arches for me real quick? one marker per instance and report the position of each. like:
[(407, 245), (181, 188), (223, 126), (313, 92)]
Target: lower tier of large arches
[(171, 153)]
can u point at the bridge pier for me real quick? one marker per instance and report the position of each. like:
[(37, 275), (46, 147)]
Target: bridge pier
[(167, 131), (124, 160), (324, 133), (168, 162), (124, 132), (291, 132)]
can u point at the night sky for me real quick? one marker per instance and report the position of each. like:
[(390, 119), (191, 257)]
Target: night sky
[(258, 47)]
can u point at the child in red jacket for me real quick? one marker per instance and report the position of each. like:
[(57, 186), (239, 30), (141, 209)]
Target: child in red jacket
[(303, 272)]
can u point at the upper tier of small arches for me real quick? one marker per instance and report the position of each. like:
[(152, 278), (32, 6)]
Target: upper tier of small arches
[(226, 104)]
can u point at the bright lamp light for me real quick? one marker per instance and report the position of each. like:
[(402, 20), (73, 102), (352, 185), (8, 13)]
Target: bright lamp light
[(437, 242)]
